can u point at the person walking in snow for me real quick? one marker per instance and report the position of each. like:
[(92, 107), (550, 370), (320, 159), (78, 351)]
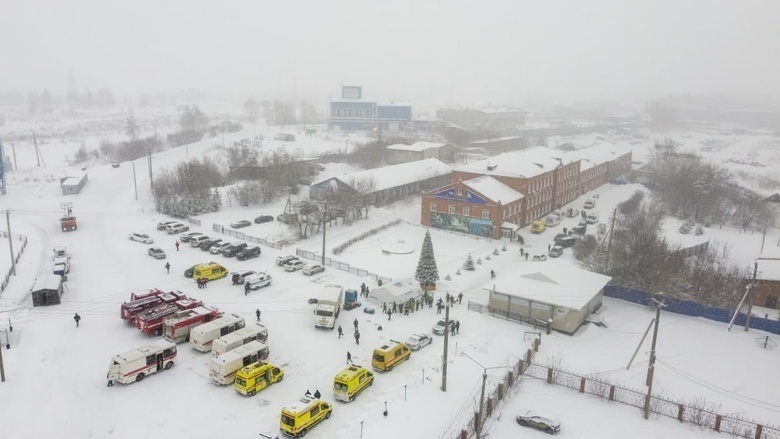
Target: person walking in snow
[(317, 394), (460, 298), (77, 318), (367, 291), (389, 315), (341, 332), (492, 274), (356, 325), (452, 328), (246, 288), (257, 313), (349, 358), (177, 245), (357, 337), (457, 327), (168, 267)]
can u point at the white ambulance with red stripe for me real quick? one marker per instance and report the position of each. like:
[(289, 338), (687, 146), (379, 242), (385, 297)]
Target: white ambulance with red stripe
[(136, 364)]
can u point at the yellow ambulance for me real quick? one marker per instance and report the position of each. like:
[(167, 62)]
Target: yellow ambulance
[(387, 356), (352, 380), (538, 226), (302, 415), (210, 271), (256, 377)]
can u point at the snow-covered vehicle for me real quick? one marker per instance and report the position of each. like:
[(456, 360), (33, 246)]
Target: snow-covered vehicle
[(156, 252), (531, 419), (141, 237), (201, 337), (240, 224), (418, 341), (312, 269), (283, 260), (440, 326), (162, 225), (294, 265), (258, 280)]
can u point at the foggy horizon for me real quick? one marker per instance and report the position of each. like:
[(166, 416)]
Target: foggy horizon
[(510, 53)]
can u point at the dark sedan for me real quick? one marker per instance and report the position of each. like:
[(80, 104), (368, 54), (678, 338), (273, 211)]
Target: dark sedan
[(207, 244), (531, 419), (233, 249), (263, 219), (248, 253)]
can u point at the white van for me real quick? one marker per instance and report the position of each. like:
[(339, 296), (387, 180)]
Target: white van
[(258, 280), (201, 337), (222, 369), (135, 364), (239, 338), (592, 218)]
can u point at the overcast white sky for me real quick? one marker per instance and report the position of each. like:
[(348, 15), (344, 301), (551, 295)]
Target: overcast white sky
[(469, 52)]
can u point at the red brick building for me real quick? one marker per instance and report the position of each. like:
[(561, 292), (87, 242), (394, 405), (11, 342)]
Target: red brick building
[(767, 290)]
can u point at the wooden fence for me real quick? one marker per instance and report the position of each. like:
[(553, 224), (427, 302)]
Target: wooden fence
[(7, 278)]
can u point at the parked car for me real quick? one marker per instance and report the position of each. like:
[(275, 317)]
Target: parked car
[(581, 229), (418, 341), (233, 249), (207, 244), (439, 327), (240, 224), (188, 272), (566, 241), (177, 228), (294, 265), (264, 219), (258, 280), (141, 237), (248, 253), (196, 241), (555, 251), (239, 277), (368, 310), (185, 237), (219, 248), (282, 260), (157, 253), (539, 258), (590, 203), (164, 224), (531, 419), (311, 269), (592, 218)]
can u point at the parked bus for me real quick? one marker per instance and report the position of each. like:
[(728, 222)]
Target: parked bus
[(136, 364), (239, 338), (201, 337), (222, 369), (177, 328)]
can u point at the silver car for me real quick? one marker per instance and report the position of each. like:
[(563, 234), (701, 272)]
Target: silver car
[(418, 341), (531, 419), (141, 237)]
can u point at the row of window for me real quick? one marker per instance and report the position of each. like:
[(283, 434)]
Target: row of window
[(351, 112), (466, 210)]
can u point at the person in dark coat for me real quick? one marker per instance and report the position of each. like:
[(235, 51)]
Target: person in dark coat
[(168, 267), (457, 327), (341, 332), (355, 322), (177, 245), (452, 328), (460, 298), (349, 358), (77, 318), (317, 394), (307, 393), (246, 288), (357, 337), (367, 291), (389, 315), (205, 282), (526, 256), (492, 274)]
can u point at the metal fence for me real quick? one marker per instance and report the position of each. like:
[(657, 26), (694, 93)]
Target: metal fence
[(7, 278), (241, 235), (195, 222), (343, 266), (699, 415)]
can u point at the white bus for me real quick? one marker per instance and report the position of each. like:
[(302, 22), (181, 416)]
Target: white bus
[(135, 364), (222, 369), (203, 335), (239, 338)]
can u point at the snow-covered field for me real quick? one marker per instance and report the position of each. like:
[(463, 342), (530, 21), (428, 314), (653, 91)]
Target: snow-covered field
[(55, 372)]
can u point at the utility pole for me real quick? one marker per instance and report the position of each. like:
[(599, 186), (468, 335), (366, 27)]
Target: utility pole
[(37, 155), (135, 183), (750, 297), (2, 367), (611, 234), (763, 239), (481, 404), (651, 365), (324, 227), (446, 343), (10, 240), (151, 179), (3, 181)]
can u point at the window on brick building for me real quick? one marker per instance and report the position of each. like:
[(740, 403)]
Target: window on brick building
[(433, 207), (485, 214)]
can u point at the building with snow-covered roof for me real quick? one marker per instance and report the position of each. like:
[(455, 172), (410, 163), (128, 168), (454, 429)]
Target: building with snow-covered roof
[(480, 206), (483, 119), (387, 184), (554, 291), (72, 185), (773, 201), (767, 290), (47, 290), (353, 113), (400, 153)]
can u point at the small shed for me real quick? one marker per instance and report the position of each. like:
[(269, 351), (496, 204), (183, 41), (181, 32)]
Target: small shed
[(399, 292), (548, 290), (47, 290), (73, 185)]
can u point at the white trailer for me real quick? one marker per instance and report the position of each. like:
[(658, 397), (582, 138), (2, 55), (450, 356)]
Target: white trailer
[(222, 369), (239, 338), (328, 306), (135, 364), (202, 336)]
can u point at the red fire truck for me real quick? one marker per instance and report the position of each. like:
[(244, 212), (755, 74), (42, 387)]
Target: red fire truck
[(150, 322), (140, 302), (177, 328)]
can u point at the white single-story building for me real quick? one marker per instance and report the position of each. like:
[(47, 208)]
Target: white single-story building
[(549, 290), (399, 292), (400, 153), (73, 185)]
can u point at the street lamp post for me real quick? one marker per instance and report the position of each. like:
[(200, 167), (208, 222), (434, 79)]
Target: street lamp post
[(478, 427)]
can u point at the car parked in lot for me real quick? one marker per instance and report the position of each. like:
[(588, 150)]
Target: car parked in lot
[(233, 249), (248, 253), (239, 277), (311, 269), (196, 241), (590, 203), (532, 420), (219, 248), (264, 219), (566, 241), (141, 237), (240, 224), (283, 260), (177, 228), (157, 253), (439, 327), (555, 252), (258, 280), (294, 265), (185, 237), (418, 341), (207, 244), (164, 224)]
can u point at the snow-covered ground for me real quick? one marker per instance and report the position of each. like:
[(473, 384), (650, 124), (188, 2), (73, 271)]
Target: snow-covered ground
[(56, 383)]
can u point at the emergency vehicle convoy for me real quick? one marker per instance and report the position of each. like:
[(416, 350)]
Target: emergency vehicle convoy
[(150, 321), (140, 302), (177, 328), (222, 369), (256, 377), (202, 337), (136, 364), (352, 380), (239, 338)]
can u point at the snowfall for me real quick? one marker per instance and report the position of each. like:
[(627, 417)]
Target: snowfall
[(55, 372)]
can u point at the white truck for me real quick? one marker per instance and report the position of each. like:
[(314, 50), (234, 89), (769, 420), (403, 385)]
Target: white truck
[(328, 306)]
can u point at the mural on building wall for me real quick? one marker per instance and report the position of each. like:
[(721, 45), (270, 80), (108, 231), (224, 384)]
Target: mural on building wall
[(449, 194), (463, 224)]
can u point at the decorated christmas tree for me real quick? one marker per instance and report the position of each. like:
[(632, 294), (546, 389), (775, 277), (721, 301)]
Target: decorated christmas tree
[(469, 264), (427, 273)]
